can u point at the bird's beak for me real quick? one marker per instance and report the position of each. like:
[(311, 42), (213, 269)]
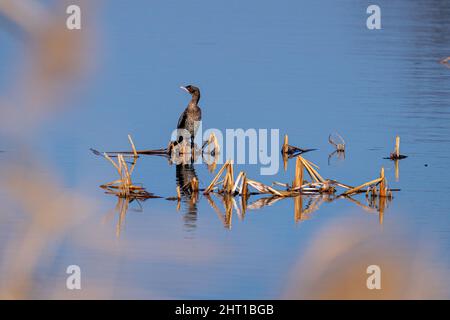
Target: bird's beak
[(184, 88)]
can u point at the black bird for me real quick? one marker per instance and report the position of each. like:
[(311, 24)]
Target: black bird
[(191, 116)]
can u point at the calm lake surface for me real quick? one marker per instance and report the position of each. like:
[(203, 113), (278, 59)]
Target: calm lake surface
[(307, 68)]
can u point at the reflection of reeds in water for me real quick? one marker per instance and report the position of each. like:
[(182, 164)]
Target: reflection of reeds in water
[(121, 210), (339, 154), (313, 204), (229, 204), (298, 208), (374, 205), (397, 170), (379, 204), (187, 184)]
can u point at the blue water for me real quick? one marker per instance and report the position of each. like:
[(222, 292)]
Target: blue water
[(307, 68)]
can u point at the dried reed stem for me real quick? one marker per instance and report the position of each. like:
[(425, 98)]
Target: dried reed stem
[(382, 192), (397, 147), (356, 189), (244, 187), (124, 184), (298, 179), (285, 145), (216, 178), (132, 146), (236, 183), (311, 171)]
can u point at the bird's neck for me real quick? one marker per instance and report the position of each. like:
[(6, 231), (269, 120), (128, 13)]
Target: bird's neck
[(195, 99)]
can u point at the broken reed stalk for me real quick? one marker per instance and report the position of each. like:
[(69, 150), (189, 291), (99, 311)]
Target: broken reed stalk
[(298, 179), (124, 183), (383, 188), (216, 178), (318, 185), (262, 188), (285, 145), (397, 146), (132, 146), (244, 187), (311, 171), (358, 188), (228, 183), (238, 179)]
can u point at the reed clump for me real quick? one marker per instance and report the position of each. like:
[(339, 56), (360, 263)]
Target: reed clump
[(306, 181), (240, 185), (374, 188), (227, 183), (338, 145), (124, 187)]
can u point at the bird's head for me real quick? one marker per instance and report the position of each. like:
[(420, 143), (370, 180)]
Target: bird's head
[(191, 89)]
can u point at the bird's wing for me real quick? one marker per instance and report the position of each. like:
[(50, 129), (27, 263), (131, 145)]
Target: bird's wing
[(182, 120)]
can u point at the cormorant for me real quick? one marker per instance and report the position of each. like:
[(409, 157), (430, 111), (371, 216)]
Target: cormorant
[(191, 116)]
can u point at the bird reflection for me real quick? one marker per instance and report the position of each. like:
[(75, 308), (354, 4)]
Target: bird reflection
[(184, 175)]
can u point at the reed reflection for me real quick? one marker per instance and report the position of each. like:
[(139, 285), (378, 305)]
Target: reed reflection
[(339, 154), (313, 204), (374, 205), (121, 210), (397, 170)]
